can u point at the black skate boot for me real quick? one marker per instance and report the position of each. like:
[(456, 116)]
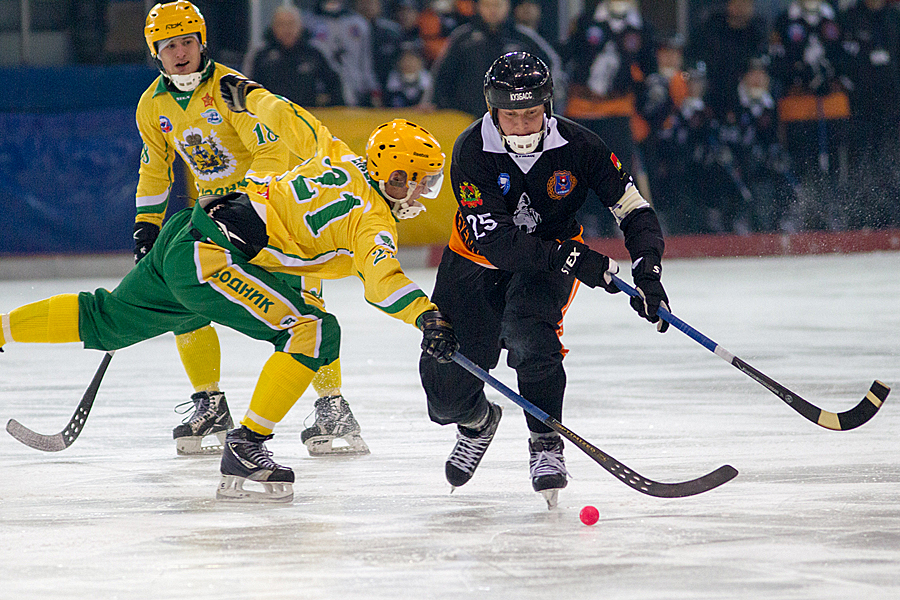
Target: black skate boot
[(210, 417), (334, 421), (470, 448), (548, 467), (246, 458)]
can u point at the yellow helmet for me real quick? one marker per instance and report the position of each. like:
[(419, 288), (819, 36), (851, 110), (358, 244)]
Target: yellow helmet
[(172, 19), (403, 146)]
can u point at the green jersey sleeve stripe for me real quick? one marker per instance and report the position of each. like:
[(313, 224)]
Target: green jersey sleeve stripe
[(157, 201), (399, 299)]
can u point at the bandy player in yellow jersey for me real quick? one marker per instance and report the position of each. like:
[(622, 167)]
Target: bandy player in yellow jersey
[(238, 259), (182, 115)]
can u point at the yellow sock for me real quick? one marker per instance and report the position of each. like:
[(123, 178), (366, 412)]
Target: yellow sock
[(280, 384), (50, 321), (201, 356), (327, 381)]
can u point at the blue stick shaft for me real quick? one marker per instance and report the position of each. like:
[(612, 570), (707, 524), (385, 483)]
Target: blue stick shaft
[(849, 419), (500, 387), (678, 323)]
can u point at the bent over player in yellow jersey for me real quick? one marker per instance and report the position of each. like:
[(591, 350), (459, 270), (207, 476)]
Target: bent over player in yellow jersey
[(182, 114), (237, 259)]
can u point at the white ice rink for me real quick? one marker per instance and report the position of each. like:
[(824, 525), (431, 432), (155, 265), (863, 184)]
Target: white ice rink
[(814, 514)]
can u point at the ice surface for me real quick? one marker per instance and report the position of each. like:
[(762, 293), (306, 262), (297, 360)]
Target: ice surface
[(814, 514)]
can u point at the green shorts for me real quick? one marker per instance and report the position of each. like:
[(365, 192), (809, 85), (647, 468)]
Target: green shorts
[(193, 276)]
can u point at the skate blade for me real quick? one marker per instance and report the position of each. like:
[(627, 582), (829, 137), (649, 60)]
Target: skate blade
[(352, 445), (193, 445), (552, 497), (231, 489)]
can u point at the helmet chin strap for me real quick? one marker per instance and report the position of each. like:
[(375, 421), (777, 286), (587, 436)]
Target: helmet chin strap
[(405, 208)]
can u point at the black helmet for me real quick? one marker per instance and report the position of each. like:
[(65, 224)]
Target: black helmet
[(518, 80)]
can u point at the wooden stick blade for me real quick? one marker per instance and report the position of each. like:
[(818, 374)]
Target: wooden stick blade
[(32, 439), (859, 414)]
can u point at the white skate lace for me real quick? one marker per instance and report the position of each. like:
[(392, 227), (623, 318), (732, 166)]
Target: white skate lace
[(468, 452), (331, 416), (548, 461), (205, 414)]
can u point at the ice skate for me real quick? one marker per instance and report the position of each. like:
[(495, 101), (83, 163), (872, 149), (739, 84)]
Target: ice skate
[(548, 468), (470, 448), (246, 458), (210, 418), (335, 431)]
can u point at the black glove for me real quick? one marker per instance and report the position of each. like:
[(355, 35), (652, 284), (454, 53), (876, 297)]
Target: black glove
[(589, 267), (646, 273), (145, 235), (438, 339), (234, 90)]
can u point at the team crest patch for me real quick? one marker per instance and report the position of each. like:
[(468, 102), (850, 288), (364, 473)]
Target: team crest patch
[(503, 182), (615, 161), (165, 125), (469, 195), (561, 184), (208, 156), (212, 116)]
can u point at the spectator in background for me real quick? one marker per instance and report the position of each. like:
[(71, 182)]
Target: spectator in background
[(408, 82), (762, 165), (290, 66), (386, 38), (746, 132), (608, 55), (727, 40), (807, 55), (407, 16), (472, 49), (666, 90), (344, 37), (438, 20), (871, 31), (527, 13), (682, 139)]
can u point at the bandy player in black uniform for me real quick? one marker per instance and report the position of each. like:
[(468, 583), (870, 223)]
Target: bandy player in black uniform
[(516, 257)]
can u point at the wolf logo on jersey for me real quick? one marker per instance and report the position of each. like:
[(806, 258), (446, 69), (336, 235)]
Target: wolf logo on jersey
[(525, 217)]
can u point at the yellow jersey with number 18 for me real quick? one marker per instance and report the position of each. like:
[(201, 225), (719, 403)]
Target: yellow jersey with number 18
[(219, 146)]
